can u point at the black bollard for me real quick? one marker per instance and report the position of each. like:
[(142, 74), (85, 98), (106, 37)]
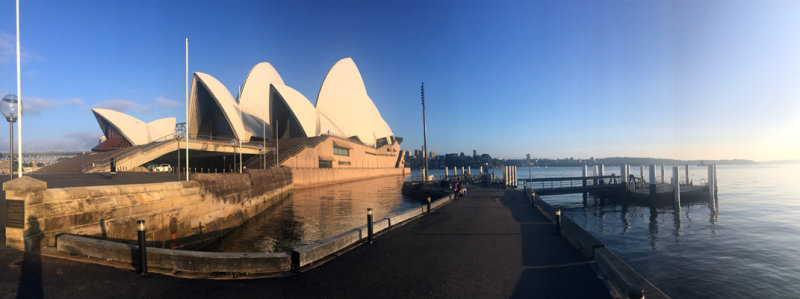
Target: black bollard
[(429, 205), (558, 222), (635, 292), (142, 266), (369, 225)]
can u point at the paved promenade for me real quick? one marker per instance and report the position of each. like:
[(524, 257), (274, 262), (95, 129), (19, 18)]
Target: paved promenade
[(491, 244)]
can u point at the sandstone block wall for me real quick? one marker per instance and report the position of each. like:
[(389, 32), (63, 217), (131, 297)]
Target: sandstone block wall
[(312, 177), (175, 213)]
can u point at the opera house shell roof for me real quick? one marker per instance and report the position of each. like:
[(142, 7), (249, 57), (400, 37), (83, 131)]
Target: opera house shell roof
[(267, 108), (122, 130)]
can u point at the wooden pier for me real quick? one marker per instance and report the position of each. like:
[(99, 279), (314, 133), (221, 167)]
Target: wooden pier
[(626, 187), (567, 185)]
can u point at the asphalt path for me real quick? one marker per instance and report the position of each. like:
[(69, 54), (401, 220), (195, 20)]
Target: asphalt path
[(490, 244)]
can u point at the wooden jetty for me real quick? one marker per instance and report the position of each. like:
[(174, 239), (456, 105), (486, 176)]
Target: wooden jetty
[(627, 186)]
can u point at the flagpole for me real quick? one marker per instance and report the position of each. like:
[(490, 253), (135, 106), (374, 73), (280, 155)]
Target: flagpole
[(19, 102)]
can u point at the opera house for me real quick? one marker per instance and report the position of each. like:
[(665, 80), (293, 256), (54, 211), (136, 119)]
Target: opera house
[(343, 129)]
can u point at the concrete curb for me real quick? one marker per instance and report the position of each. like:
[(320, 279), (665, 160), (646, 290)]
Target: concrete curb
[(177, 260)]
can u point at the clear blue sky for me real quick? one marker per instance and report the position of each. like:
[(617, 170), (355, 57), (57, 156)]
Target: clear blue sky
[(671, 79)]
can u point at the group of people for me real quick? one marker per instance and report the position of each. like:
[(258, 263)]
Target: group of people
[(459, 188)]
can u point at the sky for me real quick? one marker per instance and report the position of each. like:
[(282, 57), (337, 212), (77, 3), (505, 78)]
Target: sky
[(663, 79)]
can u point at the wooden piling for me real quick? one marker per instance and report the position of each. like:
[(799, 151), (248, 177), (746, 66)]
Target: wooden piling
[(687, 174), (676, 186)]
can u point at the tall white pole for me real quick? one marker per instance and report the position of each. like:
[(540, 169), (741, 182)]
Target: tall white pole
[(19, 102), (187, 109)]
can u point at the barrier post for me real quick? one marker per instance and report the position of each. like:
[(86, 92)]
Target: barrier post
[(142, 266), (369, 225)]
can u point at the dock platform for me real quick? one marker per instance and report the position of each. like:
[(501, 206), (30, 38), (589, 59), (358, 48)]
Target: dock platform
[(489, 244)]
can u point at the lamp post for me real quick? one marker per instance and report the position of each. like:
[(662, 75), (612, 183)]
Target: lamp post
[(179, 131), (8, 106), (235, 143), (263, 159)]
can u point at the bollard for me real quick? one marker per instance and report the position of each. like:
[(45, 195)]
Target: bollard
[(635, 292), (369, 225), (142, 266), (558, 222), (429, 205)]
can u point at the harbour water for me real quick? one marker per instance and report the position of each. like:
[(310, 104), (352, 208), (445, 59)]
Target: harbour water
[(746, 247), (313, 214)]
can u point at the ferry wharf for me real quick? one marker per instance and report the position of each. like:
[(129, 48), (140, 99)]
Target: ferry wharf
[(489, 244)]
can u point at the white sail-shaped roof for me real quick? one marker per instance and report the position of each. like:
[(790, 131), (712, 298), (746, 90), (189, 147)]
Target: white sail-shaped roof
[(224, 102), (301, 109), (132, 129), (161, 128), (254, 98), (343, 100)]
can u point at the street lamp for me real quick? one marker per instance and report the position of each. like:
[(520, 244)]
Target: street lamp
[(263, 159), (235, 143), (178, 136), (8, 106)]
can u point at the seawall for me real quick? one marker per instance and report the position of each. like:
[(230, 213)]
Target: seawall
[(313, 177), (176, 214)]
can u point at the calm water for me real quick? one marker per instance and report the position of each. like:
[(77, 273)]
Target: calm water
[(316, 213), (748, 247)]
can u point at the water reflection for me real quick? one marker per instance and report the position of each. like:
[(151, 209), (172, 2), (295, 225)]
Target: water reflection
[(653, 227), (316, 213)]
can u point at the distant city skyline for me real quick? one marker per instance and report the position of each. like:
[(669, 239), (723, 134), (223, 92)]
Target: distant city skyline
[(662, 79)]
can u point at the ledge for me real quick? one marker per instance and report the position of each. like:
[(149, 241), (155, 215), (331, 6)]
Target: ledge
[(176, 260)]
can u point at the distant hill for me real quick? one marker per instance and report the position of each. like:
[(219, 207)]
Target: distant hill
[(647, 161), (780, 162)]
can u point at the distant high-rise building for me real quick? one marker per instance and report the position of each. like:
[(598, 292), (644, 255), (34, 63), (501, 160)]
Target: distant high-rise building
[(474, 153), (433, 154)]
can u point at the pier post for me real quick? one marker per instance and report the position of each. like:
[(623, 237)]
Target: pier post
[(469, 170), (652, 180), (715, 179), (641, 173), (676, 186), (584, 175), (602, 173), (711, 182), (462, 170), (663, 179), (481, 170), (687, 174), (369, 224), (594, 174), (514, 176), (142, 234), (446, 172), (624, 177)]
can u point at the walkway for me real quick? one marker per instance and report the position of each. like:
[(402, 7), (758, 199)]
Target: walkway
[(491, 244)]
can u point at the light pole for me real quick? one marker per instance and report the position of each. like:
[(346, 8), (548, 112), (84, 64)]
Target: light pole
[(235, 143), (263, 159), (9, 110), (178, 136), (424, 134)]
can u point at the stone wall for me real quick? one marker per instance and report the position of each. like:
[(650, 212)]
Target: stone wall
[(175, 213), (312, 177), (358, 156)]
